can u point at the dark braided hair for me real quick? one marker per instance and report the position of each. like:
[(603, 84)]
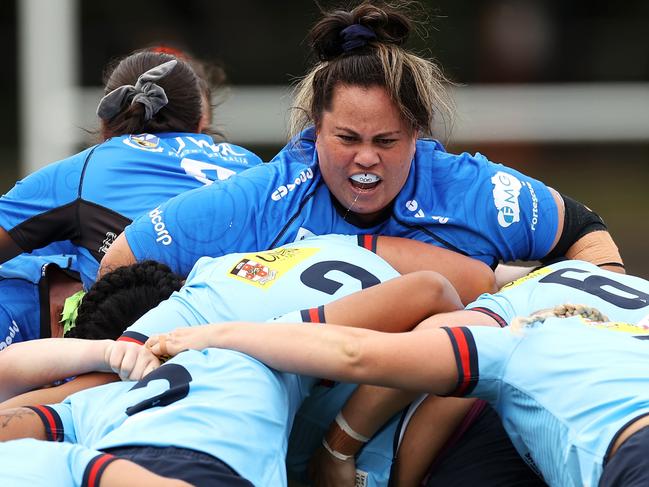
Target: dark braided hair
[(122, 296)]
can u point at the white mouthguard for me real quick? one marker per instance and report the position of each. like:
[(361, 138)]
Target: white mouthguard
[(365, 178)]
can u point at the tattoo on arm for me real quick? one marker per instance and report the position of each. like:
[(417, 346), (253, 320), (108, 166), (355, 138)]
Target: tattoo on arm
[(16, 414)]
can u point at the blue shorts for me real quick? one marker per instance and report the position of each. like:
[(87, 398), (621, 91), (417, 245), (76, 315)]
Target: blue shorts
[(628, 467), (197, 468)]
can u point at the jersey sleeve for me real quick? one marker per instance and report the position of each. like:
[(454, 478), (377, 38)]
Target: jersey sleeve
[(481, 354), (34, 462), (495, 306), (310, 315), (516, 211), (241, 214), (57, 421), (39, 209)]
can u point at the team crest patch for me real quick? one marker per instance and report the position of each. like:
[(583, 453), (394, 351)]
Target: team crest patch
[(147, 142), (254, 271), (262, 269)]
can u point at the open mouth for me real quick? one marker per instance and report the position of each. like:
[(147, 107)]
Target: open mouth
[(365, 180)]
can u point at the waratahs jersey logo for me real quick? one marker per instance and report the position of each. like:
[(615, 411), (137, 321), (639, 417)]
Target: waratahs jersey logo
[(254, 271)]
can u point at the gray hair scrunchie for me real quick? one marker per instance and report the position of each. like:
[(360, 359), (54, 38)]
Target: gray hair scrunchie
[(145, 91)]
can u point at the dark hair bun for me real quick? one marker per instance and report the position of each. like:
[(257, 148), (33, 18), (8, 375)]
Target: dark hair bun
[(391, 26)]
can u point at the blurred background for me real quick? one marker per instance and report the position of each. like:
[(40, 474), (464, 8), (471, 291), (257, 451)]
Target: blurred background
[(558, 89)]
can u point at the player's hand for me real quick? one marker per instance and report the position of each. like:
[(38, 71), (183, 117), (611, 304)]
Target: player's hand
[(186, 338), (328, 471), (130, 361)]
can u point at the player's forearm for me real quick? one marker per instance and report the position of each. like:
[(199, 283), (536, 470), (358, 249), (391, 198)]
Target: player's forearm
[(396, 305), (317, 350), (52, 395), (365, 412), (400, 360), (468, 276), (28, 365)]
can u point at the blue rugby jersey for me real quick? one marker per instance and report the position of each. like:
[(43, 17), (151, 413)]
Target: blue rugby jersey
[(461, 202), (90, 197), (621, 297), (562, 388), (24, 312)]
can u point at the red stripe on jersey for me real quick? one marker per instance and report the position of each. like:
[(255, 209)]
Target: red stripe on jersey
[(313, 315), (491, 314), (50, 419), (96, 467), (368, 242), (130, 339), (465, 357)]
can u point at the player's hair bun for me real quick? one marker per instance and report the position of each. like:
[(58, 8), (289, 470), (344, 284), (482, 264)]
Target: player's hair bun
[(388, 25)]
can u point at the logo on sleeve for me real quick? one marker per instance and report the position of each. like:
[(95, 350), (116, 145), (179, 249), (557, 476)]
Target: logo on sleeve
[(160, 229), (107, 242), (283, 190), (506, 190), (11, 333)]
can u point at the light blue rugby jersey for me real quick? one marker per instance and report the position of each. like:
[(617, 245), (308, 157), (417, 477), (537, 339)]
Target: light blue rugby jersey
[(318, 411), (34, 463), (619, 296), (250, 405), (563, 389), (257, 286), (90, 197), (22, 314), (461, 202), (219, 402)]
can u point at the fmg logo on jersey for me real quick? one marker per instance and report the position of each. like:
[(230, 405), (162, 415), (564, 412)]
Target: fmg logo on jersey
[(506, 190)]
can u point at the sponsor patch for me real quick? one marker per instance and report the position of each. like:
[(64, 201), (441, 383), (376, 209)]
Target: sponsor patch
[(535, 206), (147, 142), (11, 334), (159, 227), (107, 242), (532, 275), (412, 205), (262, 269), (630, 328), (202, 170), (506, 190), (283, 190)]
